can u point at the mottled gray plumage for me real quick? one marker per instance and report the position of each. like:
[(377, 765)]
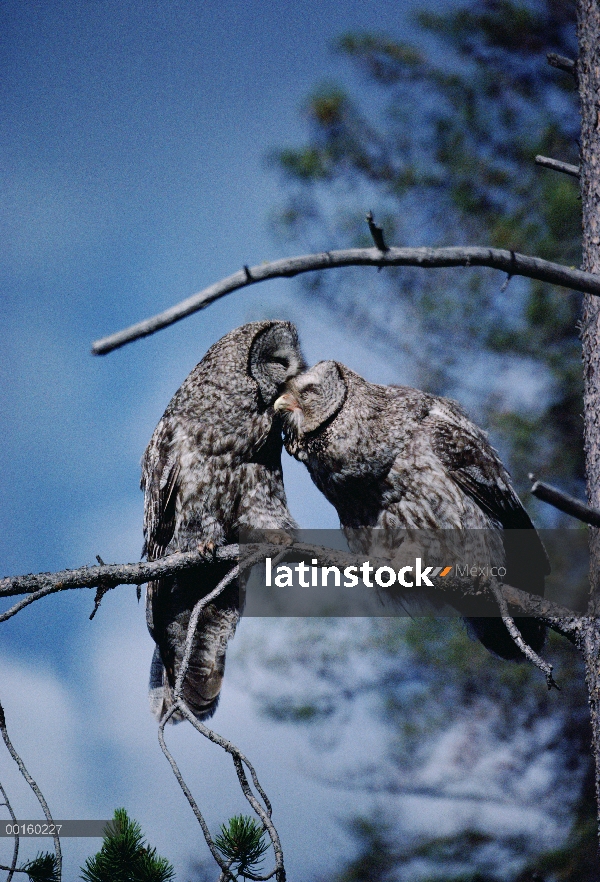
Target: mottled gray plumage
[(213, 465), (395, 458)]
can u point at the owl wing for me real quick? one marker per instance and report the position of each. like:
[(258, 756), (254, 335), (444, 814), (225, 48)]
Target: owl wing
[(473, 464), (160, 471)]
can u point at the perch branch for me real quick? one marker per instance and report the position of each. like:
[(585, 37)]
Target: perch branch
[(516, 635), (562, 63), (557, 165), (564, 502), (32, 784), (13, 864), (508, 261), (559, 618)]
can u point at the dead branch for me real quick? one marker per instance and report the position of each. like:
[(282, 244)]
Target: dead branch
[(557, 165), (569, 504), (32, 784), (107, 576), (508, 261)]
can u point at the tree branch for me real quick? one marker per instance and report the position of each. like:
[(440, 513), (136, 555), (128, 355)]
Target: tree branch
[(563, 620), (507, 261), (557, 165), (564, 502)]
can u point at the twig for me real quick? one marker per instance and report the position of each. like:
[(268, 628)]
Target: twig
[(514, 632), (33, 786), (193, 623), (239, 761), (562, 63), (188, 794), (557, 165), (497, 258), (564, 502), (376, 233), (13, 865), (238, 757)]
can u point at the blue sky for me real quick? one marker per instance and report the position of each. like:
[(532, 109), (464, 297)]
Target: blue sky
[(134, 137)]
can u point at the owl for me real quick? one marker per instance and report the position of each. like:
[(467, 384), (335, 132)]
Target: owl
[(213, 466), (396, 459)]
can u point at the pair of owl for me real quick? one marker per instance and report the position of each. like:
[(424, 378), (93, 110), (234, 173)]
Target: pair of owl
[(389, 457)]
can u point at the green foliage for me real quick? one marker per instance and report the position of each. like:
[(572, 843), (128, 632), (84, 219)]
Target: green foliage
[(43, 868), (125, 857), (243, 843), (441, 137)]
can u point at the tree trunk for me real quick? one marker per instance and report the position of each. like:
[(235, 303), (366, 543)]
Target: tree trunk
[(588, 33)]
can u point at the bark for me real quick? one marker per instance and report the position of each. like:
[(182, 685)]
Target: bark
[(588, 70)]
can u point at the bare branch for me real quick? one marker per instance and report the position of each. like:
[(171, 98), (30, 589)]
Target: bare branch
[(564, 502), (32, 784), (516, 635), (13, 864), (188, 794), (508, 261), (239, 761), (557, 165), (562, 63)]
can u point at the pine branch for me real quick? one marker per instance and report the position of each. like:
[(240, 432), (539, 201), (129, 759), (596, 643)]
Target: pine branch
[(510, 262)]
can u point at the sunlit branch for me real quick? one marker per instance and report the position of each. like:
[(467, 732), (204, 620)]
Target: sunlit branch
[(516, 635)]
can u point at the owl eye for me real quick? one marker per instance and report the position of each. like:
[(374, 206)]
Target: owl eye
[(282, 360)]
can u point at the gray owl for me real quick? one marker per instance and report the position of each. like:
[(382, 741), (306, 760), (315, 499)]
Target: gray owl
[(396, 458), (213, 465)]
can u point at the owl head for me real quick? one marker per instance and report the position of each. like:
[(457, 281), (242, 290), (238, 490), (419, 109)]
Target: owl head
[(274, 358), (312, 399)]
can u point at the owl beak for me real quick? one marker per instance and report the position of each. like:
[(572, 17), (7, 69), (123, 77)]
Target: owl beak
[(286, 402)]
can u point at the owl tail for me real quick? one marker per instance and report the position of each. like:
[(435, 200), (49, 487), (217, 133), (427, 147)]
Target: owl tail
[(491, 631), (160, 695)]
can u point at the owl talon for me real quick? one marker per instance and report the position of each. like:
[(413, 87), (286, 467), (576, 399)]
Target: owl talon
[(208, 550)]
